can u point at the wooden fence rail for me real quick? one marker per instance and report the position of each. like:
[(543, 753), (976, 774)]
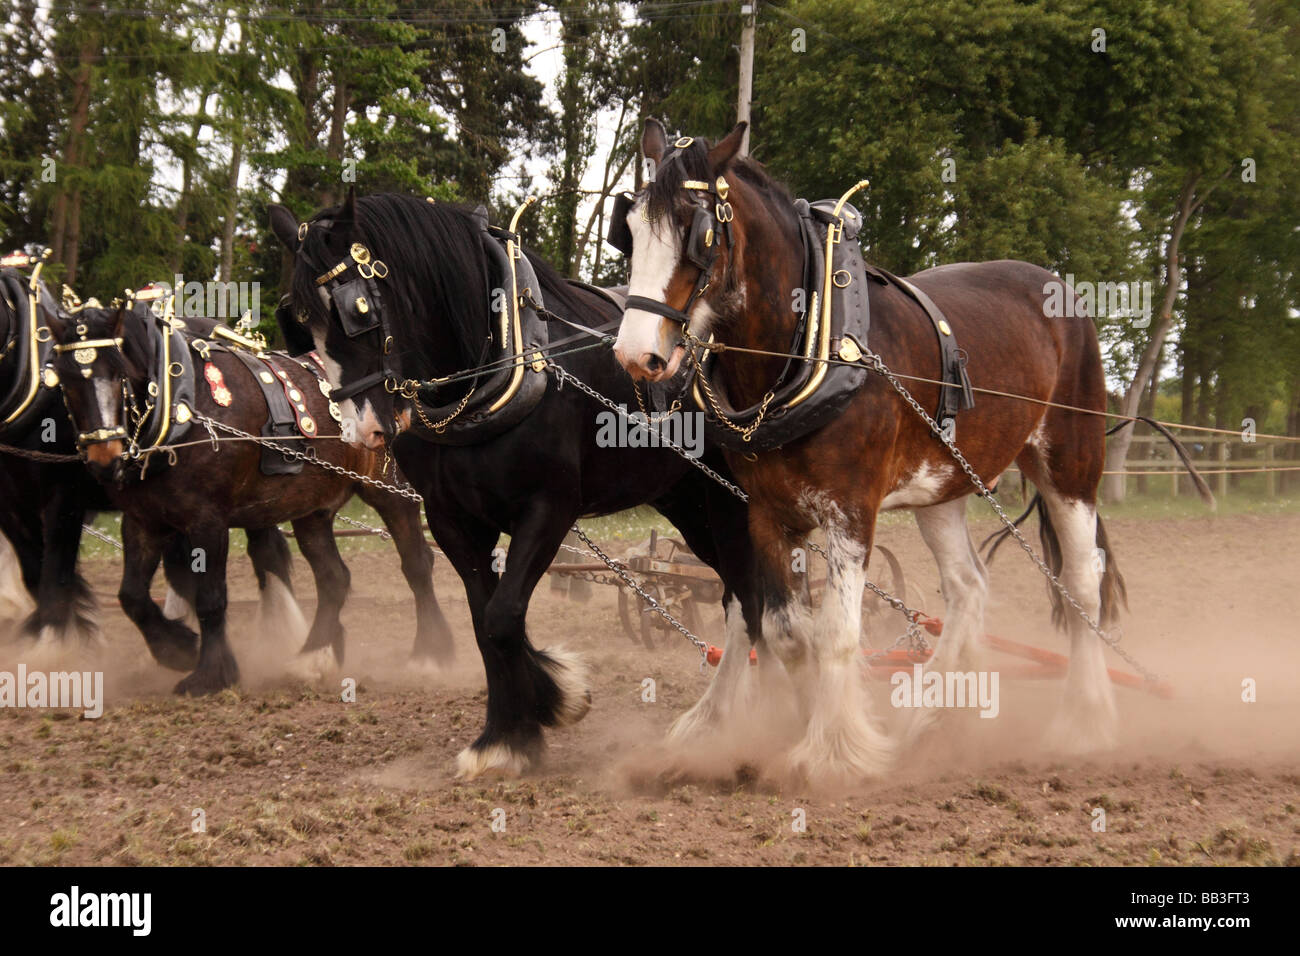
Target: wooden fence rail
[(1216, 457)]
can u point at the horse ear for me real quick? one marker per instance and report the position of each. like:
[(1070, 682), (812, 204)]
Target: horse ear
[(348, 214), (725, 151), (654, 140), (119, 321), (285, 226)]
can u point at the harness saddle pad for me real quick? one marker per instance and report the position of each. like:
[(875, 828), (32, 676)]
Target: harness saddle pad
[(288, 417), (956, 394), (23, 402)]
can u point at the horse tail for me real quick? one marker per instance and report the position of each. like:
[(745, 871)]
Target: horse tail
[(1202, 488), (997, 537)]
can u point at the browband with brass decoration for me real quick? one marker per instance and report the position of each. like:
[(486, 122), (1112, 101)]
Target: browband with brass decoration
[(89, 344), (321, 280)]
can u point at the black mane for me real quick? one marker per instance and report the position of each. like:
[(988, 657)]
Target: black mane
[(438, 273)]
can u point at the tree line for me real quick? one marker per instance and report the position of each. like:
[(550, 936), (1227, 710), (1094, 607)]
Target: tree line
[(1148, 144)]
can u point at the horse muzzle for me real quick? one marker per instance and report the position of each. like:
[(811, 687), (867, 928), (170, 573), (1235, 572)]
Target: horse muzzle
[(651, 366), (105, 454)]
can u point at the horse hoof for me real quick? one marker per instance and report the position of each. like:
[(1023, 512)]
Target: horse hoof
[(313, 666), (201, 683), (175, 654), (1073, 734), (494, 760)]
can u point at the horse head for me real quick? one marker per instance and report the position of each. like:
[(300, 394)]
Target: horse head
[(101, 360), (685, 241)]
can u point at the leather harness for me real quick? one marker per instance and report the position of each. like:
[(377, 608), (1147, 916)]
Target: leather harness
[(809, 391), (500, 397)]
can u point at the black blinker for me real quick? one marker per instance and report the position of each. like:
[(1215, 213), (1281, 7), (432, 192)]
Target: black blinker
[(357, 303), (620, 234), (701, 246)]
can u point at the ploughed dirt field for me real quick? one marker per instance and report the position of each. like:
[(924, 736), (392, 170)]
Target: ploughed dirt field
[(285, 772)]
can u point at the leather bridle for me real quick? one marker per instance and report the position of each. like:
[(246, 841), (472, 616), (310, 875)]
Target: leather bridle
[(354, 292), (710, 225)]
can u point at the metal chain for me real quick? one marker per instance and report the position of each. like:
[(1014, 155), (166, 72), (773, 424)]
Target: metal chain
[(877, 364), (913, 637), (96, 533), (382, 532), (440, 427), (746, 433), (621, 570), (566, 376), (404, 491), (655, 420)]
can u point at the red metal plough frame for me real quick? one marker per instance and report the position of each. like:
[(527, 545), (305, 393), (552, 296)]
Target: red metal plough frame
[(1042, 664)]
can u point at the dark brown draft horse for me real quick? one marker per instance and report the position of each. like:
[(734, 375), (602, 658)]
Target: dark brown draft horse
[(878, 454), (208, 490)]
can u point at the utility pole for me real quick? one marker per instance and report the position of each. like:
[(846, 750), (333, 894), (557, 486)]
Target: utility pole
[(747, 10)]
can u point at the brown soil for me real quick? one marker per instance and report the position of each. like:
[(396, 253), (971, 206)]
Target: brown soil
[(287, 773)]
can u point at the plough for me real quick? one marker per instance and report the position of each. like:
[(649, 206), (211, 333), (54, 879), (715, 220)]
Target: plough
[(679, 581)]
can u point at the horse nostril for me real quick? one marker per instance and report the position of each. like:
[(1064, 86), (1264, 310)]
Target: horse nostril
[(652, 362)]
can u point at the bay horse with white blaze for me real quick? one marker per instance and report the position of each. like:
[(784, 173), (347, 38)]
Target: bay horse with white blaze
[(46, 493), (877, 454), (107, 363)]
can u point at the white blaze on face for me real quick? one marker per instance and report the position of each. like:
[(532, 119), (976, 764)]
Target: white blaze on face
[(365, 423), (106, 398), (656, 252)]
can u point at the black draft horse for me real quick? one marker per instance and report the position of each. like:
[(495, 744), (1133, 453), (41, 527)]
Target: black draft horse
[(208, 490), (532, 481), (44, 502)]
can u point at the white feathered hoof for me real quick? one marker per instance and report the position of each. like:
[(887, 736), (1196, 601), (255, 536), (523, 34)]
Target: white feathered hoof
[(280, 619), (572, 678), (842, 758), (313, 666), (917, 724), (702, 722), (15, 602), (62, 648), (1084, 727), (494, 760)]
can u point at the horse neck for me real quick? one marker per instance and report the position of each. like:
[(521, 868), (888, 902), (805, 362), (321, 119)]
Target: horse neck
[(762, 313)]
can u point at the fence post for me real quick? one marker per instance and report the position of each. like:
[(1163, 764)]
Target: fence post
[(1223, 467), (1270, 476)]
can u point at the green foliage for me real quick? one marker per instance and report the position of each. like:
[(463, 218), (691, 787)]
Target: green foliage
[(988, 128)]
